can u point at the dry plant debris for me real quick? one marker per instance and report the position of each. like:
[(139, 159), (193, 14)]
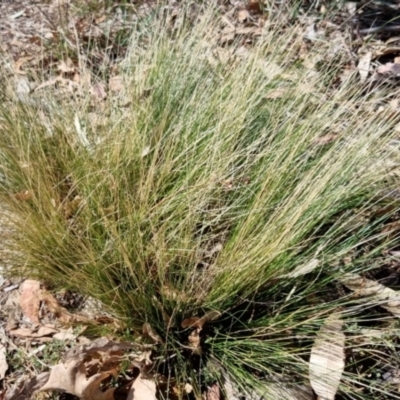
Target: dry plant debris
[(327, 358), (373, 292)]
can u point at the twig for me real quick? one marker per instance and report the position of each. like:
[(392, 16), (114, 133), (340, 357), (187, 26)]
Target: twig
[(367, 31)]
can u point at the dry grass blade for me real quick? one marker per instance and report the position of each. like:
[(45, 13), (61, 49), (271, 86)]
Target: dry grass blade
[(303, 269), (3, 362)]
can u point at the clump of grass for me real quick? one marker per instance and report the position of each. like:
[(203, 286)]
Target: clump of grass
[(199, 188)]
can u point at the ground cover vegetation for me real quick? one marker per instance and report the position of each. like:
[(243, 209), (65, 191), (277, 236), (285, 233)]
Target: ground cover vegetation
[(233, 207)]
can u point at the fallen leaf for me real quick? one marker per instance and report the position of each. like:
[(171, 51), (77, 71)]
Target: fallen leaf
[(99, 20), (18, 64), (71, 206), (311, 33), (227, 38), (23, 390), (243, 15), (65, 334), (255, 7), (142, 389), (145, 151), (71, 377), (66, 66), (24, 195), (303, 269), (17, 14), (188, 388), (116, 83), (376, 293), (327, 358), (102, 345), (29, 299), (190, 322), (194, 341), (213, 392), (389, 68), (60, 312), (3, 362), (197, 322), (11, 324), (41, 333), (75, 374), (148, 331), (364, 65), (231, 390), (370, 336)]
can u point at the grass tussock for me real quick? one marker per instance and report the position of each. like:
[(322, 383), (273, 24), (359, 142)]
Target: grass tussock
[(199, 188)]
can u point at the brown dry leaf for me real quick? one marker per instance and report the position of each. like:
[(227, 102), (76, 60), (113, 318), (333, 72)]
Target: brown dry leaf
[(65, 334), (102, 345), (29, 299), (197, 322), (190, 322), (376, 293), (71, 377), (116, 83), (364, 65), (41, 333), (327, 358), (194, 341), (148, 331), (303, 269), (24, 195), (3, 362), (142, 389), (60, 312), (389, 68), (213, 392), (23, 389), (71, 206)]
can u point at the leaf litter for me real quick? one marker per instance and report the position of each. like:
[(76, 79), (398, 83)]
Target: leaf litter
[(327, 358), (373, 292)]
